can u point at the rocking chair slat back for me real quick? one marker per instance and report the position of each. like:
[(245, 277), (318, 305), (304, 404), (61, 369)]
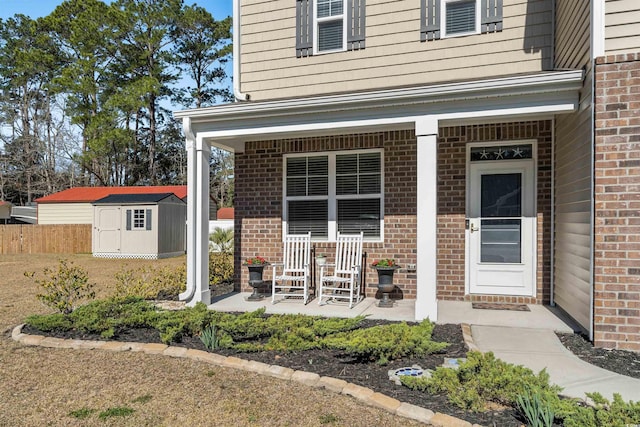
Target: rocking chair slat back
[(297, 252), (348, 252)]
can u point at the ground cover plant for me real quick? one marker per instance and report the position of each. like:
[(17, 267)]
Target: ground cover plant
[(299, 342)]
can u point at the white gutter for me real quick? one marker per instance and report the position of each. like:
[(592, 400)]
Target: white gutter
[(236, 53), (546, 82)]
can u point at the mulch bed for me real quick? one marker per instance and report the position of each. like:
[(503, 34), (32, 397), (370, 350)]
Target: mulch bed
[(618, 361), (338, 365)]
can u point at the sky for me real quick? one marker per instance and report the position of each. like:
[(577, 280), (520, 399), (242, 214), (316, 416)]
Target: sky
[(38, 8)]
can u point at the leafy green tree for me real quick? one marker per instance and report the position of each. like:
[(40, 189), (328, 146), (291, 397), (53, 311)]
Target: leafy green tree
[(202, 47)]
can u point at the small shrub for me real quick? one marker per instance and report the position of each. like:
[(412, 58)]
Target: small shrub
[(602, 413), (64, 288), (221, 240), (220, 269), (151, 283), (118, 411), (536, 411), (387, 342), (50, 322), (481, 379)]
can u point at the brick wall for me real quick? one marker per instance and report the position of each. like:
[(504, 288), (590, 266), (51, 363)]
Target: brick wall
[(451, 205), (617, 203), (258, 204)]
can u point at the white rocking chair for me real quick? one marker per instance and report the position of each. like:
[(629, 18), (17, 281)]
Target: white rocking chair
[(295, 275), (344, 283)]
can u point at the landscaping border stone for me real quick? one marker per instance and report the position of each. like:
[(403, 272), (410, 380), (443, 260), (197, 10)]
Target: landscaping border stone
[(363, 394)]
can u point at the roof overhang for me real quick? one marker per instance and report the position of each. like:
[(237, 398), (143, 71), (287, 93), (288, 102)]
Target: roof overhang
[(531, 96)]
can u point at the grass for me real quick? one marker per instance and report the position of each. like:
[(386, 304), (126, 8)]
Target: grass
[(118, 411), (42, 386)]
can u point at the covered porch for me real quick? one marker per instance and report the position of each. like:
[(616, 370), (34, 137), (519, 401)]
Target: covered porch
[(256, 132)]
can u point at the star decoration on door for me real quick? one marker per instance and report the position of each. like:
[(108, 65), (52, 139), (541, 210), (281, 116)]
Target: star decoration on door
[(501, 153)]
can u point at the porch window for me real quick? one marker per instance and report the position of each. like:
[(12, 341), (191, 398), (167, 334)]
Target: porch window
[(332, 192)]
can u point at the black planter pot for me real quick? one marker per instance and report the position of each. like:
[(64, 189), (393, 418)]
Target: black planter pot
[(385, 284), (255, 281)]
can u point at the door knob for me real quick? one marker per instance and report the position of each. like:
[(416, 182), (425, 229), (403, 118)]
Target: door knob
[(473, 228)]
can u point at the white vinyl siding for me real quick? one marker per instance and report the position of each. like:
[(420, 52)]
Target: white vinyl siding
[(326, 193), (573, 171), (394, 55), (622, 26), (65, 213)]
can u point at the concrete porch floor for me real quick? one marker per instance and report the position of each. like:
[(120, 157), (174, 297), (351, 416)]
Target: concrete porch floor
[(540, 317)]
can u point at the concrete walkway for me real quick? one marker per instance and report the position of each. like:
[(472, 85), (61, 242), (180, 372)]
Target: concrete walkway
[(528, 338), (538, 348)]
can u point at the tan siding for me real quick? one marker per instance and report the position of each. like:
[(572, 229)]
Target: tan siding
[(573, 170), (65, 213), (622, 26), (394, 56), (139, 241)]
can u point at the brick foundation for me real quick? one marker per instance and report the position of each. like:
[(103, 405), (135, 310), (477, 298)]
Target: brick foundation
[(258, 203), (617, 203)]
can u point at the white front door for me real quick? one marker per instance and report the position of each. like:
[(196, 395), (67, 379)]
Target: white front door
[(501, 220)]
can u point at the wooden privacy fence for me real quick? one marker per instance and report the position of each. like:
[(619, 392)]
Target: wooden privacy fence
[(45, 239)]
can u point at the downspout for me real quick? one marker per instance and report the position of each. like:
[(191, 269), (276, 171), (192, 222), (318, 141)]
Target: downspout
[(597, 47), (552, 301), (236, 54), (190, 139)]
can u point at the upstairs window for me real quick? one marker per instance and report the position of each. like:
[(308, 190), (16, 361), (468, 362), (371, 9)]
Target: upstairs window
[(460, 17), (331, 192), (449, 18), (324, 26), (330, 25)]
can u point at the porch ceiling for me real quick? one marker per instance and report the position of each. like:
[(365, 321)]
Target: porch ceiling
[(531, 96)]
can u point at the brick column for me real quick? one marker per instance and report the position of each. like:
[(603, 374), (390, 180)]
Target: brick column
[(617, 203)]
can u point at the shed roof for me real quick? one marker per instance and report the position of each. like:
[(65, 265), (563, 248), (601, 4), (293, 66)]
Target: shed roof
[(124, 199), (91, 194), (3, 203), (225, 213)]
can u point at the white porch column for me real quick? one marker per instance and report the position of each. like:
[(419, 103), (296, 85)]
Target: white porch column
[(198, 153), (427, 158)]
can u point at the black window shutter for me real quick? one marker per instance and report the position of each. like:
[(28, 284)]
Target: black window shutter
[(491, 16), (128, 219), (430, 20), (355, 24), (304, 28), (148, 219)]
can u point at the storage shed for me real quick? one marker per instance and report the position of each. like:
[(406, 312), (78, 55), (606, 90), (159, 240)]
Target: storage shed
[(149, 226), (74, 205), (5, 211)]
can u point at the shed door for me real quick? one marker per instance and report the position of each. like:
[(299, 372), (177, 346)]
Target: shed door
[(107, 224)]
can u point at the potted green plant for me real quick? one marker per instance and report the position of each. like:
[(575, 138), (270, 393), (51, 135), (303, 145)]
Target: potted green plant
[(256, 266), (385, 267), (321, 259)]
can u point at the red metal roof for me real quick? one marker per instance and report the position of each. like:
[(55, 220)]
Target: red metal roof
[(91, 194), (225, 213)]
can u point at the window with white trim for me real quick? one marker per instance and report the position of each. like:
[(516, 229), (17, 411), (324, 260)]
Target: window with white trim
[(324, 26), (451, 18), (460, 17), (330, 25), (139, 219), (330, 192)]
